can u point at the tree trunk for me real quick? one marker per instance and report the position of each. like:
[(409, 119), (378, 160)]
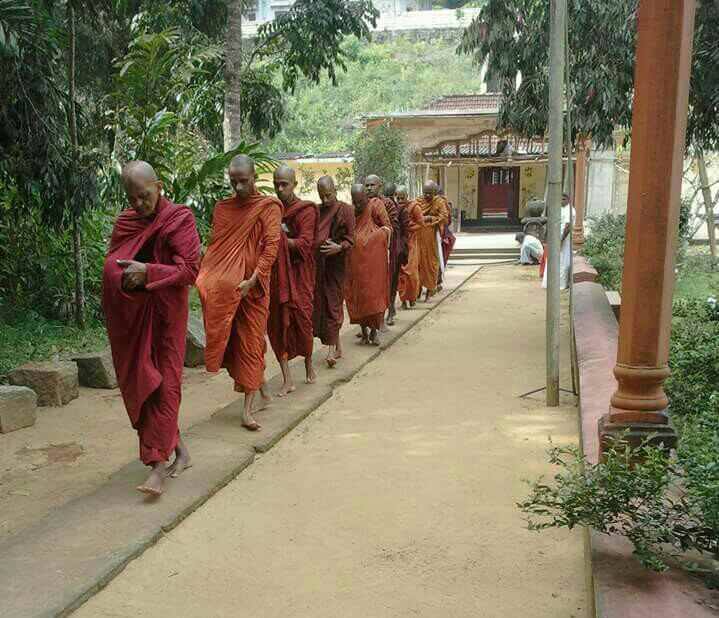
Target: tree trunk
[(556, 104), (233, 75), (72, 126), (708, 201)]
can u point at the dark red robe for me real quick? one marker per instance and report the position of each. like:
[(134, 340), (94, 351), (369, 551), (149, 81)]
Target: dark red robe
[(398, 244), (336, 223), (293, 283), (148, 329)]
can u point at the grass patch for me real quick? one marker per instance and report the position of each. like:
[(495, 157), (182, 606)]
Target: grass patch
[(31, 337)]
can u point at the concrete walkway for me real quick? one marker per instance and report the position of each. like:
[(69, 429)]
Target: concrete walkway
[(397, 497)]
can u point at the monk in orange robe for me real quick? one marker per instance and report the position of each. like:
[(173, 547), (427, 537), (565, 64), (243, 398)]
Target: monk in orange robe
[(234, 283), (408, 286), (366, 292), (152, 261), (435, 213), (293, 281), (335, 239)]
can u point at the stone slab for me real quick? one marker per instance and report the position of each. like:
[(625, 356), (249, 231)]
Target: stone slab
[(583, 271), (57, 564), (18, 406), (55, 383), (53, 567), (622, 588), (195, 343), (96, 370)]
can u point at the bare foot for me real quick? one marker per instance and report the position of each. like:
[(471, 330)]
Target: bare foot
[(286, 390), (413, 303), (266, 398), (331, 361), (182, 462), (250, 423), (374, 338), (390, 319), (405, 305), (310, 375), (155, 483)]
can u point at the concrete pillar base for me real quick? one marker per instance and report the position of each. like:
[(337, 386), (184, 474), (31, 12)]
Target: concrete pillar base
[(662, 436)]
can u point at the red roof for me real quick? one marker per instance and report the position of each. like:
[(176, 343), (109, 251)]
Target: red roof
[(466, 103)]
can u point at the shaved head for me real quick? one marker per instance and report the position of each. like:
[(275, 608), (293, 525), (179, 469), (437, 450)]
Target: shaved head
[(359, 194), (142, 187), (429, 190), (390, 189), (242, 162), (401, 194), (286, 172), (140, 171), (285, 183), (242, 176), (373, 185), (326, 190), (326, 182)]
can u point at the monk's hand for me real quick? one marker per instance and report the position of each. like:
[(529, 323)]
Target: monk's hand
[(245, 287), (135, 274), (329, 247)]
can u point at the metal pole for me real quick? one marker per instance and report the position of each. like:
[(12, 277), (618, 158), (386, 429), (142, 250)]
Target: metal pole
[(558, 10)]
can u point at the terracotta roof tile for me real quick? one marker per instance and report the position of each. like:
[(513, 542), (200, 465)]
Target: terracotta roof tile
[(468, 103)]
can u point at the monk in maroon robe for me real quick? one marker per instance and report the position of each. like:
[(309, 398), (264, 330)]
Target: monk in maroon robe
[(293, 281), (366, 292), (398, 245), (152, 260), (335, 238)]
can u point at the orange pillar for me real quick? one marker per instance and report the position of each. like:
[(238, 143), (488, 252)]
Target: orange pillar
[(661, 86), (584, 146)]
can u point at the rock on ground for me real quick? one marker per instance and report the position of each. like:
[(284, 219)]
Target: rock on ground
[(96, 370), (17, 408), (195, 351), (55, 383)]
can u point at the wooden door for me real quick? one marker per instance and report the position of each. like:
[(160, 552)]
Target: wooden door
[(499, 195)]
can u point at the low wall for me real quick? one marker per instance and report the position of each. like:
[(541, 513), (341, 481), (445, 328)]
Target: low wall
[(622, 587)]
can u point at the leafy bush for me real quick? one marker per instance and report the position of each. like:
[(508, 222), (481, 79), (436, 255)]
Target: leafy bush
[(639, 493), (604, 248)]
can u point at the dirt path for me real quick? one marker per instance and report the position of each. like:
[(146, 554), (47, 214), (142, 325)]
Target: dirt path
[(397, 497)]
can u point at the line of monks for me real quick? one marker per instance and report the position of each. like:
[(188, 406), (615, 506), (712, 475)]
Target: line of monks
[(276, 267)]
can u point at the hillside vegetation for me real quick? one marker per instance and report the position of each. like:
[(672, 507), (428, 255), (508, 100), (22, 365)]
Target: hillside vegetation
[(381, 77)]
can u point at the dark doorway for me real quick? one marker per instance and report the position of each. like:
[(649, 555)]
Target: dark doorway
[(498, 196)]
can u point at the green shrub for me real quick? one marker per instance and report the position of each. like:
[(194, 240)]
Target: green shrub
[(639, 493), (604, 248)]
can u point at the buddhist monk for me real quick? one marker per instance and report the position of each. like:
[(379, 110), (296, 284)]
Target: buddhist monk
[(381, 205), (434, 211), (335, 239), (409, 273), (153, 258), (293, 281), (366, 292), (447, 237), (234, 283), (398, 246)]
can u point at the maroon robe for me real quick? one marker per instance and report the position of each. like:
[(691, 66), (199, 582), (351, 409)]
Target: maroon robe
[(399, 218), (148, 328), (293, 283), (336, 223)]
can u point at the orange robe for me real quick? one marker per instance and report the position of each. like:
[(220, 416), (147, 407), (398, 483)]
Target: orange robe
[(409, 274), (428, 241), (293, 284), (245, 240), (366, 293)]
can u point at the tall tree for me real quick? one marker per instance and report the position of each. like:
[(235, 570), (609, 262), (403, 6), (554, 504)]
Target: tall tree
[(511, 37), (304, 41)]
